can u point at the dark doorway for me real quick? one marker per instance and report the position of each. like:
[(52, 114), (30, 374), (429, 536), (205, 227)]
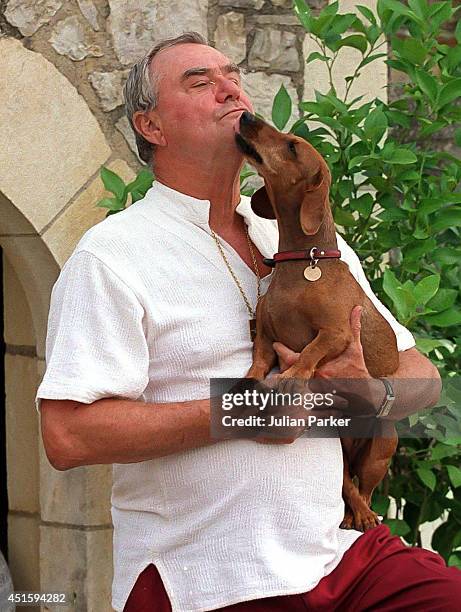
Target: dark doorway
[(3, 483)]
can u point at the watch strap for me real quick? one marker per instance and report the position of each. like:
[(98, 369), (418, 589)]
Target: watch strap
[(386, 405)]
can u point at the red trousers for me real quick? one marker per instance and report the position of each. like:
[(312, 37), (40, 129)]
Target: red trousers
[(378, 572)]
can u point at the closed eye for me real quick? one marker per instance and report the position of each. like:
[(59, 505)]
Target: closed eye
[(292, 147)]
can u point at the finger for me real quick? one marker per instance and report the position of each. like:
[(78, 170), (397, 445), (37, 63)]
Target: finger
[(355, 321), (286, 356)]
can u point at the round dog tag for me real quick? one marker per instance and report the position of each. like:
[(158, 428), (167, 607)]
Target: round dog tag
[(312, 274)]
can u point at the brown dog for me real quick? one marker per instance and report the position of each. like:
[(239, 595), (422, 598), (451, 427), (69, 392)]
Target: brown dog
[(313, 316)]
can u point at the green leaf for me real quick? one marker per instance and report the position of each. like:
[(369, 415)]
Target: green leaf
[(420, 7), (398, 8), (458, 32), (446, 256), (375, 125), (344, 217), (304, 14), (142, 183), (364, 204), (366, 12), (455, 560), (446, 218), (110, 203), (426, 288), (444, 298), (370, 58), (316, 55), (331, 9), (281, 108), (418, 248), (426, 345), (454, 474), (400, 156), (447, 318), (355, 40), (397, 527), (410, 49), (113, 183), (427, 477), (380, 504), (449, 92), (427, 84), (440, 451), (442, 539)]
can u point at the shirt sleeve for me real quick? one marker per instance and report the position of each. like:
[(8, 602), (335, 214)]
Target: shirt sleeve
[(95, 345), (404, 337)]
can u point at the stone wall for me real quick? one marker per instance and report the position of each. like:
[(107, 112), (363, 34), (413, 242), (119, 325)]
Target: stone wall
[(62, 67)]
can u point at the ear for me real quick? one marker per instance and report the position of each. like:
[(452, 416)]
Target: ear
[(315, 205), (261, 204), (148, 124)]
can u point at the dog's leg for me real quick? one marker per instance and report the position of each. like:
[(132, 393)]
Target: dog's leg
[(349, 493), (264, 356), (328, 344), (371, 468)]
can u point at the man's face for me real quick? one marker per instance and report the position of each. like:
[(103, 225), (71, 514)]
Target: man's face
[(200, 100)]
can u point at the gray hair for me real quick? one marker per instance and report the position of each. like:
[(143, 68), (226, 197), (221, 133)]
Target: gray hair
[(141, 88)]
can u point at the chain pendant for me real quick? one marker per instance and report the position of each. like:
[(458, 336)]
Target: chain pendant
[(252, 323)]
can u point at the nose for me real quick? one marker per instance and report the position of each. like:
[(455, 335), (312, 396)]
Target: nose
[(226, 88), (247, 118)]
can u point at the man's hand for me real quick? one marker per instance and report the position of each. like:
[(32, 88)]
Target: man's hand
[(363, 393), (350, 364)]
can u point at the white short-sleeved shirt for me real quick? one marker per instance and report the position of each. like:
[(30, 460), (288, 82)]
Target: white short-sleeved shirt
[(145, 309)]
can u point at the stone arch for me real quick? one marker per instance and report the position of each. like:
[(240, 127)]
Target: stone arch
[(52, 149)]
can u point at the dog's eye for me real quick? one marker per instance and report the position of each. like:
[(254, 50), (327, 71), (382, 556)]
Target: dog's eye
[(292, 147)]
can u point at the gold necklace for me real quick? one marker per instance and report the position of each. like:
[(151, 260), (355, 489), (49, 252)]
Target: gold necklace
[(252, 312)]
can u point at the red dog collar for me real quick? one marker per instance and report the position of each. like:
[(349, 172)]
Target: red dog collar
[(313, 254)]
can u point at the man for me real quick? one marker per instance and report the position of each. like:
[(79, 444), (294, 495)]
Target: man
[(143, 314)]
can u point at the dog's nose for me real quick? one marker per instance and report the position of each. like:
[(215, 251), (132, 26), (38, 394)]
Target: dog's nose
[(247, 118)]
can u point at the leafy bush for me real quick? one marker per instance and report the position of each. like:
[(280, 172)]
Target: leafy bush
[(395, 199)]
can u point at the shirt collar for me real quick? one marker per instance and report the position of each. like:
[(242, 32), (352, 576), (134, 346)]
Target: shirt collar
[(177, 204)]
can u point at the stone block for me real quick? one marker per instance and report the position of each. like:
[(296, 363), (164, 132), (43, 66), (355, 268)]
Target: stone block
[(18, 327), (108, 87), (251, 4), (136, 26), (37, 271), (276, 20), (71, 38), (29, 15), (22, 434), (63, 235), (50, 138), (23, 552), (12, 220), (80, 496), (262, 88), (274, 50), (78, 562), (90, 12), (230, 36)]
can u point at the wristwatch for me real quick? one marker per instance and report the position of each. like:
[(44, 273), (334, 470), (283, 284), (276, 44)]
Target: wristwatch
[(386, 406)]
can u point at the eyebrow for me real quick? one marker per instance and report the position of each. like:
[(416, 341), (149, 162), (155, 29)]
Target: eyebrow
[(199, 70)]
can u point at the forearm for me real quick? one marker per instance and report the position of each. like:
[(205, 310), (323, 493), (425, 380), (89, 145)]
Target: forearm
[(121, 431), (416, 383)]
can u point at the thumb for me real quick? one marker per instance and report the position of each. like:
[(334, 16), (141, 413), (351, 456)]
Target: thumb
[(286, 356), (355, 322)]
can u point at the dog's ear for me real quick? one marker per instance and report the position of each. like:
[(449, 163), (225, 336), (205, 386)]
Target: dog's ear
[(315, 203), (261, 204)]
